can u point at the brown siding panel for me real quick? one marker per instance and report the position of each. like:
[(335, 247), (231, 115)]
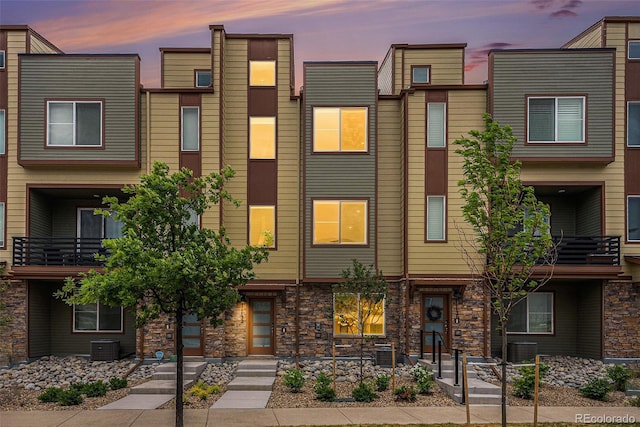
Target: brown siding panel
[(436, 172), (262, 188), (263, 49), (263, 102), (632, 77)]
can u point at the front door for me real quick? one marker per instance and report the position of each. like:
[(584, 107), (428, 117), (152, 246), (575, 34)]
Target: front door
[(435, 317), (261, 327), (192, 335)]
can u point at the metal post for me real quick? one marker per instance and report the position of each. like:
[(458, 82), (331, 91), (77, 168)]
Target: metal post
[(433, 347), (439, 359), (421, 344), (455, 368)]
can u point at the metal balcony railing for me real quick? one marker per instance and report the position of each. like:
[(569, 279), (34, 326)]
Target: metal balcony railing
[(57, 251), (588, 250)]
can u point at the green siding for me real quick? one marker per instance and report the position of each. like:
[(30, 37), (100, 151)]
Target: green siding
[(39, 215), (589, 321), (589, 214), (40, 295)]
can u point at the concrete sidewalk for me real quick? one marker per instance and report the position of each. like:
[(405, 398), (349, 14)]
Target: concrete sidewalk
[(315, 416)]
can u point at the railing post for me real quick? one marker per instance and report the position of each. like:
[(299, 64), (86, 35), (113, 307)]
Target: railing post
[(455, 369), (439, 359), (433, 347), (421, 344)]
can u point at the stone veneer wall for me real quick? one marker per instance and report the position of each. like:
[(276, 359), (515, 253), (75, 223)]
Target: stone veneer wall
[(475, 328), (621, 319), (13, 337), (156, 337)]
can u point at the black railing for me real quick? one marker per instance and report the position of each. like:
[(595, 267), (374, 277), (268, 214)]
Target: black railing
[(57, 251), (588, 250), (436, 337)]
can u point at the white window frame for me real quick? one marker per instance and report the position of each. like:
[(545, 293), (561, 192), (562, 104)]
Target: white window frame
[(443, 129), (629, 141), (528, 331), (340, 242), (199, 72), (3, 59), (635, 197), (555, 110), (3, 217), (3, 132), (340, 149), (182, 128), (444, 220), (629, 48), (98, 330), (358, 296), (104, 222), (74, 123)]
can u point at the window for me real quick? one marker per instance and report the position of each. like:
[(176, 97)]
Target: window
[(634, 49), (262, 73), (190, 128), (93, 226), (97, 318), (633, 218), (436, 215), (339, 222), (436, 120), (351, 312), (262, 226), (2, 59), (420, 74), (203, 78), (75, 123), (633, 124), (2, 217), (3, 132), (262, 137), (559, 119), (340, 129), (532, 315)]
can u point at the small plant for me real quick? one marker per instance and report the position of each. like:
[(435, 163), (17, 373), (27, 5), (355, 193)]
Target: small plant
[(635, 401), (364, 393), (69, 397), (50, 395), (94, 389), (382, 382), (323, 389), (116, 383), (407, 393), (524, 385), (202, 390), (79, 387), (620, 375), (424, 378), (294, 380), (596, 389)]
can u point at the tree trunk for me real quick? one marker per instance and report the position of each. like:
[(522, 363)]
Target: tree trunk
[(179, 369), (503, 380), (361, 358)]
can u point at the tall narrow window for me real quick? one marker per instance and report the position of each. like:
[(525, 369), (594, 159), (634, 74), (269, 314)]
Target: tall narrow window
[(559, 119), (262, 226), (633, 124), (436, 120), (341, 222), (436, 218), (633, 218), (77, 123), (340, 129), (190, 128), (262, 73), (3, 132), (203, 78), (262, 137), (2, 221)]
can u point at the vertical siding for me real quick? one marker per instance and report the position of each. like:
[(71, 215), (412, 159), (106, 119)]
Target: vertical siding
[(588, 213), (447, 66), (40, 318), (38, 46), (40, 216), (385, 74), (589, 39), (589, 337), (179, 68)]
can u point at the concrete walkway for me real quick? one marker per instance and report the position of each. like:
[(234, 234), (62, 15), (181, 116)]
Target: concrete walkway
[(315, 416), (252, 386)]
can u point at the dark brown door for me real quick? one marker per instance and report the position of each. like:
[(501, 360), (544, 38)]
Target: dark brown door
[(192, 335), (261, 327), (435, 317)]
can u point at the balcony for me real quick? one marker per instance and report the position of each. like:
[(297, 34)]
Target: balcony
[(588, 250), (57, 251)]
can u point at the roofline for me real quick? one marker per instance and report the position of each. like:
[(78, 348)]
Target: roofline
[(24, 27), (186, 49), (558, 50), (340, 63), (606, 19), (82, 55), (430, 46)]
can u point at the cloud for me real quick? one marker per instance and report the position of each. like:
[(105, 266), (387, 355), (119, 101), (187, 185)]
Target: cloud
[(558, 8), (564, 13)]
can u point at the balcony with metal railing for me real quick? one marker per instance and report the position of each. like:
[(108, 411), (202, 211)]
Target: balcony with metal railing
[(57, 252)]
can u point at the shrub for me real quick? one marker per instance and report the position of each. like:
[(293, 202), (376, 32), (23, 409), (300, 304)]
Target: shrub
[(202, 390), (50, 395), (424, 377), (94, 389), (116, 383), (405, 393), (635, 401), (525, 384), (294, 379), (596, 389), (323, 389), (382, 382), (620, 375), (79, 387), (364, 393), (69, 397)]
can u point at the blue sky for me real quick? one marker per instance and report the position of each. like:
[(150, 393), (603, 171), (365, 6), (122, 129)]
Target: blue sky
[(323, 30)]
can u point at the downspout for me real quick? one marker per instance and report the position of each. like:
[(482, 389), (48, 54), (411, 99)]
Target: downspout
[(148, 114), (405, 228), (298, 233)]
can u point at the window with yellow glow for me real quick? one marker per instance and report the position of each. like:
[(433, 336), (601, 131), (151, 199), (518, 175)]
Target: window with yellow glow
[(262, 226), (353, 314), (262, 73), (339, 222), (340, 129), (262, 137)]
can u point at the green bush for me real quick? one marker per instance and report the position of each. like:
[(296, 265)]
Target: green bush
[(596, 389), (294, 380), (524, 385), (69, 397), (95, 389), (364, 393), (382, 382), (620, 375), (635, 401), (116, 383), (323, 389), (202, 390), (423, 376), (50, 395), (79, 387), (405, 393)]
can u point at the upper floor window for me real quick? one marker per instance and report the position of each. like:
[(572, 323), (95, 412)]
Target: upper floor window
[(532, 315), (190, 129), (633, 218), (353, 314), (338, 129), (436, 124), (633, 124), (557, 119), (340, 222), (3, 132), (634, 49), (97, 318), (74, 123), (262, 137), (262, 226), (420, 74), (262, 73), (93, 226), (203, 78), (2, 59), (436, 218)]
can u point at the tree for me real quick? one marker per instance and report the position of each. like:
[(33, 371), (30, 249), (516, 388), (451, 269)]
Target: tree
[(359, 301), (511, 231), (164, 263)]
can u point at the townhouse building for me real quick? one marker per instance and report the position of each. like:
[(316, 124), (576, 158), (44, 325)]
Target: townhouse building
[(358, 164)]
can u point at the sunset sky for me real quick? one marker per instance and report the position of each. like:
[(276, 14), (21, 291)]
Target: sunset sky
[(323, 30)]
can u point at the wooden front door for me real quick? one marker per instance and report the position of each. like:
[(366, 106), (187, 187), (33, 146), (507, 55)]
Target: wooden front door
[(192, 335), (435, 317), (261, 327)]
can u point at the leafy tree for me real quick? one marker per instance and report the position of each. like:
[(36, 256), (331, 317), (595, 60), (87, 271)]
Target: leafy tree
[(164, 263), (359, 301), (511, 231)]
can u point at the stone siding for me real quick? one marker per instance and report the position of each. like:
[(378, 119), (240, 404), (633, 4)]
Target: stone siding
[(13, 337), (621, 319)]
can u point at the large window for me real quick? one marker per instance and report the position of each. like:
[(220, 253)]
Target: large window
[(420, 74), (436, 120), (74, 123), (97, 318), (340, 129), (633, 124), (633, 218), (559, 119), (262, 226), (341, 222), (190, 128), (634, 49), (93, 226), (532, 315), (203, 78), (3, 132), (262, 73), (353, 313), (436, 218), (262, 137)]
